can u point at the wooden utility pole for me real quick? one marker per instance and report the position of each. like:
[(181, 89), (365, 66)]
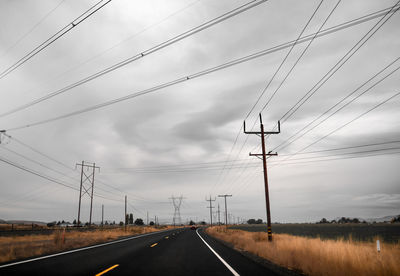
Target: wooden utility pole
[(264, 159), (126, 199), (226, 209), (211, 207), (219, 219), (102, 215)]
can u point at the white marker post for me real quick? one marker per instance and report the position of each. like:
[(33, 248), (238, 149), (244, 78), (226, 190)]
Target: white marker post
[(378, 246)]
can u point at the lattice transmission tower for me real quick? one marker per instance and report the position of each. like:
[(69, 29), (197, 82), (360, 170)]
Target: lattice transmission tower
[(177, 202)]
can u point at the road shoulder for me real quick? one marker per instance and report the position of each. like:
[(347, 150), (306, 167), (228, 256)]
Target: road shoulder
[(277, 269)]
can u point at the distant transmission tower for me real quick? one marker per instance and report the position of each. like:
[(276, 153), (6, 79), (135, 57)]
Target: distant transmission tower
[(177, 201)]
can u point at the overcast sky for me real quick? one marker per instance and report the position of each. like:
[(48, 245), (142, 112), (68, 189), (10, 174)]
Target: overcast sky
[(175, 141)]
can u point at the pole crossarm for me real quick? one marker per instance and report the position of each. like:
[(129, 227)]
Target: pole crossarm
[(261, 132)]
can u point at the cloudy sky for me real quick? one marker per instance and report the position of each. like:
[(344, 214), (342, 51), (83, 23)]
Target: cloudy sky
[(343, 159)]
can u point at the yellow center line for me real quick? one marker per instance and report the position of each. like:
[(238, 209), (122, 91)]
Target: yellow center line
[(107, 270), (153, 245)]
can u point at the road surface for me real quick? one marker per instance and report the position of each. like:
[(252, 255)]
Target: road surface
[(174, 252)]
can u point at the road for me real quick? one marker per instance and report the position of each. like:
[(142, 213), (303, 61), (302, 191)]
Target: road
[(174, 252)]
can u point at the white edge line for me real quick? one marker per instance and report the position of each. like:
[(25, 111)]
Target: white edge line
[(218, 256), (82, 249)]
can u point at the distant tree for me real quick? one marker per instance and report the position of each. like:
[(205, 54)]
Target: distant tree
[(58, 222), (139, 221), (259, 221), (395, 219), (203, 223), (63, 221), (51, 224), (131, 218), (151, 223), (355, 220), (191, 222), (323, 220), (86, 223), (106, 223), (333, 221), (74, 222), (121, 223), (251, 221)]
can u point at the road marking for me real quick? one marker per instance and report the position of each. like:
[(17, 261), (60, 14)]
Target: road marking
[(154, 244), (107, 270), (166, 237), (81, 249), (218, 256)]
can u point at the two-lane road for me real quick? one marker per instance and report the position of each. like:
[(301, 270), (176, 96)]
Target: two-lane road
[(174, 252)]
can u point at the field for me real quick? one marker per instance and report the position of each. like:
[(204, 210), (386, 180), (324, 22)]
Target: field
[(19, 247), (314, 256), (358, 232)]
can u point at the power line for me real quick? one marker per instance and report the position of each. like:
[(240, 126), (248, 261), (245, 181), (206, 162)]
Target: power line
[(284, 79), (54, 37), (142, 54), (32, 29), (206, 71), (346, 124), (287, 142), (339, 64)]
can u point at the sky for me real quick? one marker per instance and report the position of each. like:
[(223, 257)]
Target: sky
[(187, 139)]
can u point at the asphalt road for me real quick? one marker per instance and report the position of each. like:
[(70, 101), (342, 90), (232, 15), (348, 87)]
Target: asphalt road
[(174, 252)]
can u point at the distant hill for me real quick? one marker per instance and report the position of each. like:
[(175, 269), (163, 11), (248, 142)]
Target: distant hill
[(370, 220), (381, 219), (23, 222)]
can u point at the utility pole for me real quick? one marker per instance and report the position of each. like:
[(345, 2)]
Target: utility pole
[(88, 189), (226, 209), (219, 219), (211, 207), (264, 159), (102, 215), (126, 199), (147, 218)]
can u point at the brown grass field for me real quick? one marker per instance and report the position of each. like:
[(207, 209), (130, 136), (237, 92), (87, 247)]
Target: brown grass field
[(20, 247), (314, 256)]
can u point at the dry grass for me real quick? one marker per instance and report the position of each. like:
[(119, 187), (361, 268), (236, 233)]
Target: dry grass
[(19, 247), (314, 256)]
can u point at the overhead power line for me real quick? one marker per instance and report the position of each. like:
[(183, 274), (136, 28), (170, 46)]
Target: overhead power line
[(142, 54), (284, 79), (55, 37), (345, 124), (209, 70), (32, 29), (290, 140), (361, 42)]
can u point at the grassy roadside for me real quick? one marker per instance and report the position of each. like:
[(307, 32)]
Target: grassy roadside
[(20, 247), (314, 256)]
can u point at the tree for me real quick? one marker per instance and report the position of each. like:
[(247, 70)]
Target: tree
[(106, 223), (151, 223), (121, 223), (259, 221), (74, 222), (131, 218), (139, 221), (251, 221), (191, 222), (58, 222), (323, 220)]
